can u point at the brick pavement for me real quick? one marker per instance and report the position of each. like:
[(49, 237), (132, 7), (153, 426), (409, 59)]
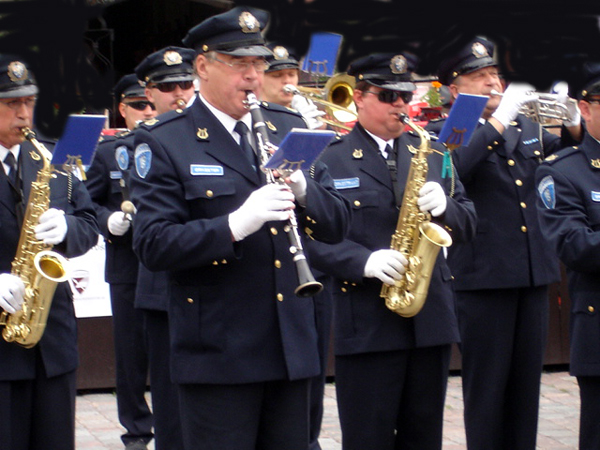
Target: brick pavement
[(98, 427)]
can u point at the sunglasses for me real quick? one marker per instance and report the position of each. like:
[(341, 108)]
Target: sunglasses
[(140, 105), (387, 96), (170, 86)]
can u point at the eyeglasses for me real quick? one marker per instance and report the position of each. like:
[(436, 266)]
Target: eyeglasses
[(140, 105), (16, 103), (387, 96), (260, 65), (170, 86)]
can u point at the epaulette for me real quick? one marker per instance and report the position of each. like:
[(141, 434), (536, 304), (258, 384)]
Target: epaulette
[(560, 155), (161, 119), (277, 107)]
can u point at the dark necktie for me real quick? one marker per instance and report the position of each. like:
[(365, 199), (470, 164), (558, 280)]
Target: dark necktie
[(242, 130), (11, 162), (391, 163)]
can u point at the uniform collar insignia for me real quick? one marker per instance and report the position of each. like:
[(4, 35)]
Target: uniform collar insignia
[(270, 126), (357, 153), (595, 163), (202, 133), (151, 122)]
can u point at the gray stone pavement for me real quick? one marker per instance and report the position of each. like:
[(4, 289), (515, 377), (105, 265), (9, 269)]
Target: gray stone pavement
[(98, 427)]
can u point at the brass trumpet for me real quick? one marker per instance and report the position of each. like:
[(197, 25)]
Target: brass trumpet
[(336, 97), (545, 108)]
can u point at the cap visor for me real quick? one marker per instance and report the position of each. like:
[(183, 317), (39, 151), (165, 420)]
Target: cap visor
[(173, 77), (282, 66), (254, 50)]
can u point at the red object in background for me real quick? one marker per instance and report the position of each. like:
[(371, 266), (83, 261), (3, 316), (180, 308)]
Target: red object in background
[(112, 131)]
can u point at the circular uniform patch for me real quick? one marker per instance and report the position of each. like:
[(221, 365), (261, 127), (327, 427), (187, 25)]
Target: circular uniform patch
[(547, 192), (122, 157), (143, 160)]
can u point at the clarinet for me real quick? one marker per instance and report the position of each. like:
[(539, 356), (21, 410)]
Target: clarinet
[(307, 286)]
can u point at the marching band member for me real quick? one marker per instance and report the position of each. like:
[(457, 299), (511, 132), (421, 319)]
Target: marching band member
[(501, 277), (37, 385), (243, 347), (391, 372), (107, 183), (568, 184)]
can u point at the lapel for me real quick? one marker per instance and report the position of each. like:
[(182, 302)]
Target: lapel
[(511, 136), (211, 133), (7, 199), (371, 162)]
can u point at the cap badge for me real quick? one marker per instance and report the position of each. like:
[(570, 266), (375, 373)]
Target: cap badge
[(17, 71), (398, 64), (479, 50), (172, 58), (280, 52), (248, 23)]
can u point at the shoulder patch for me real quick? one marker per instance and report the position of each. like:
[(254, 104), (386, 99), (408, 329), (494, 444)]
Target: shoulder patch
[(547, 192), (143, 159)]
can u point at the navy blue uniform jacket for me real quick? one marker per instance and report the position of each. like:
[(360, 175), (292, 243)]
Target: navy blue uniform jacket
[(498, 173), (233, 314), (570, 219), (362, 321), (103, 178), (58, 346)]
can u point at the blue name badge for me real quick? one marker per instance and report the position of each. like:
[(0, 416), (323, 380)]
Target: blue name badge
[(347, 183), (202, 170), (595, 196)]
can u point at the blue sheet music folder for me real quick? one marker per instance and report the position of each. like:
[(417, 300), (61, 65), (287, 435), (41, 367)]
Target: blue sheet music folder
[(462, 120), (299, 149), (79, 139)]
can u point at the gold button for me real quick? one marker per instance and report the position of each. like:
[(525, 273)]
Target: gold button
[(215, 263), (591, 309), (190, 300), (209, 193), (524, 229), (278, 264), (356, 203), (344, 289), (490, 147), (495, 142), (224, 261), (518, 182), (537, 153), (274, 231), (353, 284), (523, 205), (511, 162), (280, 297), (345, 282)]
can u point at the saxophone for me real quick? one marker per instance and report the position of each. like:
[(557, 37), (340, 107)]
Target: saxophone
[(418, 239), (39, 267)]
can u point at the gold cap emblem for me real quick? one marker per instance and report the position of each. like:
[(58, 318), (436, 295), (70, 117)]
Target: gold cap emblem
[(479, 50), (172, 58), (17, 71), (398, 65), (280, 52), (248, 23)]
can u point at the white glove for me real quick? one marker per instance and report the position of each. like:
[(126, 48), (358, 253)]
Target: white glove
[(52, 228), (12, 291), (270, 202), (297, 183), (562, 96), (513, 99), (309, 111), (432, 199), (118, 224), (385, 265)]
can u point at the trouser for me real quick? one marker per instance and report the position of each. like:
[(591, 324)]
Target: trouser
[(503, 339)]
